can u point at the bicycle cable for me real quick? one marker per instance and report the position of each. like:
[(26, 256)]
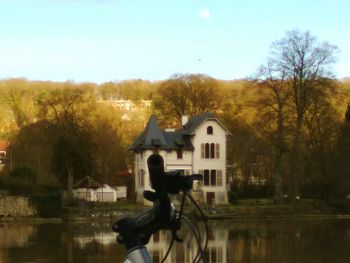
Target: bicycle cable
[(177, 224), (205, 223)]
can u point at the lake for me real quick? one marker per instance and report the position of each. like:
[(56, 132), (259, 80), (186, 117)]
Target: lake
[(282, 241)]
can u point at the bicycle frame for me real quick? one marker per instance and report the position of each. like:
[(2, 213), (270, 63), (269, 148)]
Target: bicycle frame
[(138, 255)]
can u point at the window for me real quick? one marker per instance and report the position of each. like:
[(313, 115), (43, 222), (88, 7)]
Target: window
[(207, 150), (213, 255), (219, 177), (210, 151), (187, 172), (211, 177), (210, 130), (179, 153), (217, 151), (206, 177), (211, 236), (156, 256), (156, 237)]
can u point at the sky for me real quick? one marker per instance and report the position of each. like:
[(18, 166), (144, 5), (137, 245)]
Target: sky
[(113, 40)]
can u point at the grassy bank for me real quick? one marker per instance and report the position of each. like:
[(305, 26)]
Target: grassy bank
[(101, 211), (246, 208), (265, 208)]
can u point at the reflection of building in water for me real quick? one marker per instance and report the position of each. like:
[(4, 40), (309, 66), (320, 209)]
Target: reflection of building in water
[(103, 238), (217, 246), (187, 251)]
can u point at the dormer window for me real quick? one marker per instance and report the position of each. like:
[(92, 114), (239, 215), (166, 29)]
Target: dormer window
[(210, 130)]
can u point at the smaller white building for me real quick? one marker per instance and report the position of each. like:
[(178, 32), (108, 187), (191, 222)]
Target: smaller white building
[(106, 194), (90, 190), (121, 192), (87, 194)]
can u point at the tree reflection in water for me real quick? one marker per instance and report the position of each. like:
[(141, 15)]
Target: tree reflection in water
[(229, 241)]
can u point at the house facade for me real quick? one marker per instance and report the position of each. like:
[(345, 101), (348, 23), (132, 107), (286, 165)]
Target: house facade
[(198, 147)]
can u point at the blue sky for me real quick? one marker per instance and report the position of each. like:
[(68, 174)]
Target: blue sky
[(109, 40)]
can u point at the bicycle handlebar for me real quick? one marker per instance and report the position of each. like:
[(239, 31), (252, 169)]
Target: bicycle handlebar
[(136, 232)]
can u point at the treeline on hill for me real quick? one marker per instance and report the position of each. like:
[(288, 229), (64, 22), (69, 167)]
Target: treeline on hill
[(290, 124), (60, 133)]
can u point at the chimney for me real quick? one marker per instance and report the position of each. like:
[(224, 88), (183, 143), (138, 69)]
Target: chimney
[(184, 120)]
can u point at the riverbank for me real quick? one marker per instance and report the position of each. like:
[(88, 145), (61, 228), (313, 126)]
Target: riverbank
[(265, 209), (245, 209)]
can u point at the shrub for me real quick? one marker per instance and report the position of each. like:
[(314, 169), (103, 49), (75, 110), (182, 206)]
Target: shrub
[(24, 173), (47, 201)]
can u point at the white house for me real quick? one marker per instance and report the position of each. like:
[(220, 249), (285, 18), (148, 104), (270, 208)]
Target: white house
[(198, 147)]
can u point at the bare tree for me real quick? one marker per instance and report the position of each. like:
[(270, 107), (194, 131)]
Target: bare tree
[(273, 114), (304, 67)]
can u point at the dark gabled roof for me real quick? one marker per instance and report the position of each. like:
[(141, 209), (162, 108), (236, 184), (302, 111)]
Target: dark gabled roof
[(87, 182), (195, 121), (190, 127), (152, 137), (176, 140)]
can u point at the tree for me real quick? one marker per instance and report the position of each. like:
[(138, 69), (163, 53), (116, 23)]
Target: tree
[(271, 122), (72, 153), (187, 95), (31, 148), (302, 69), (341, 180), (19, 101), (322, 123), (68, 111), (106, 133), (72, 137)]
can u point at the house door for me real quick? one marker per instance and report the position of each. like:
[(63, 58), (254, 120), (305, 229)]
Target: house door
[(210, 198)]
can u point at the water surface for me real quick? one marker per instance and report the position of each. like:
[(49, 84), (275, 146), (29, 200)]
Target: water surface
[(287, 241)]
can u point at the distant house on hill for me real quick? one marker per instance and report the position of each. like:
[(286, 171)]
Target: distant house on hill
[(4, 146), (198, 147)]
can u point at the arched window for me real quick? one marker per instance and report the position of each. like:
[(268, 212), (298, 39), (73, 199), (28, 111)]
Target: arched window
[(210, 130)]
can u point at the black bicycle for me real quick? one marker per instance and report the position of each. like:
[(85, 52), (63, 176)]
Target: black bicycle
[(135, 233)]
